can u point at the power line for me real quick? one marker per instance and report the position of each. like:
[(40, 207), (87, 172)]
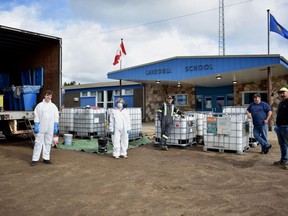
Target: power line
[(159, 21)]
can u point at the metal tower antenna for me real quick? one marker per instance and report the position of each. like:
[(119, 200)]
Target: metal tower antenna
[(221, 48)]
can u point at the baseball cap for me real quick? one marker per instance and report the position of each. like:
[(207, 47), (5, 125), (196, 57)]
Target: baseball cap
[(257, 95), (169, 97), (283, 89)]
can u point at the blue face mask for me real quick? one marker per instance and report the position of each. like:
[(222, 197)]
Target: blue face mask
[(119, 105)]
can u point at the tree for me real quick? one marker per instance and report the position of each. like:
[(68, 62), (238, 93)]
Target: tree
[(69, 84)]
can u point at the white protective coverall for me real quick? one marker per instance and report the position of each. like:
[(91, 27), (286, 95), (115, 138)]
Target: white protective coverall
[(45, 114), (120, 124)]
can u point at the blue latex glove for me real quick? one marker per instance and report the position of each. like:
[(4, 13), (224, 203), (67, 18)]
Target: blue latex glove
[(275, 128), (55, 127), (36, 127)]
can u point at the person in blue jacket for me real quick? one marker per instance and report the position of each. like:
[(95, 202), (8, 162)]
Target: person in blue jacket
[(46, 118), (260, 113)]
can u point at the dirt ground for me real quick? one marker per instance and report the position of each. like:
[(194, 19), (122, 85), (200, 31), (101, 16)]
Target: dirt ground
[(150, 182)]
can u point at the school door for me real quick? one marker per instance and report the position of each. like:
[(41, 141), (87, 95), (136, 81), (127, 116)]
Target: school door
[(214, 99), (213, 103)]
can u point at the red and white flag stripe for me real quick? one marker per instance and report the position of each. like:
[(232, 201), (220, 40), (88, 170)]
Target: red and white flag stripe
[(119, 52)]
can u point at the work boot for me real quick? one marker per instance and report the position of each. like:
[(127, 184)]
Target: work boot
[(266, 150), (163, 144), (33, 163), (279, 163), (164, 147), (47, 161)]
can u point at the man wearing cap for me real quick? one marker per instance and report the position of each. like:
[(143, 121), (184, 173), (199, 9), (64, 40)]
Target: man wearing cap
[(281, 128), (165, 115), (260, 113)]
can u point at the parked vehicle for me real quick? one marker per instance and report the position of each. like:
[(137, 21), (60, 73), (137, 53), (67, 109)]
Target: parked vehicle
[(30, 64)]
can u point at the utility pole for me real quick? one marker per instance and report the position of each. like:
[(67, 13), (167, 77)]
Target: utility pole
[(221, 48)]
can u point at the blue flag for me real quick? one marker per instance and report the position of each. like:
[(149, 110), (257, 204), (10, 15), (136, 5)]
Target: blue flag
[(276, 27)]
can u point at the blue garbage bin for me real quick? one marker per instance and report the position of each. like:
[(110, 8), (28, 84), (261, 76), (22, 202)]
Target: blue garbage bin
[(28, 98)]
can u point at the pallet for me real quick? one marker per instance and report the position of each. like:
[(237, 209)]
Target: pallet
[(156, 144), (87, 136), (181, 145), (222, 150)]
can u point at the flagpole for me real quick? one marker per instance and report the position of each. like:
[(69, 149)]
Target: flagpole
[(269, 73), (268, 29), (120, 81)]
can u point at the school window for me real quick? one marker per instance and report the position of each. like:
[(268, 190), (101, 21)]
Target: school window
[(84, 94), (208, 102), (105, 99), (199, 102), (124, 92), (100, 98), (110, 99), (180, 99), (230, 99), (117, 92), (248, 97), (128, 91)]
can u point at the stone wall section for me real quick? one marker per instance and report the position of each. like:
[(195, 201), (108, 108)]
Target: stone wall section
[(277, 83), (156, 94)]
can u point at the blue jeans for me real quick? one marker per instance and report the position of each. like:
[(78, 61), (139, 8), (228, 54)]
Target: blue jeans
[(282, 134), (260, 134)]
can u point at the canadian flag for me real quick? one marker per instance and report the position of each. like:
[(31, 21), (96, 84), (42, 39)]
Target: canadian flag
[(119, 53)]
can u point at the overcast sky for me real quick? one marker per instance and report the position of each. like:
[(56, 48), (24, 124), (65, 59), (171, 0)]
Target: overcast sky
[(152, 30)]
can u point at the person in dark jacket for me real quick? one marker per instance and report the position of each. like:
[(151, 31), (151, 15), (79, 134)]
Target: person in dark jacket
[(165, 115), (281, 128)]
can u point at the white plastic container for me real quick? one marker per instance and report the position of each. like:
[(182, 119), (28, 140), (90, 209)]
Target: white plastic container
[(68, 139), (183, 132), (66, 121), (89, 122), (236, 128)]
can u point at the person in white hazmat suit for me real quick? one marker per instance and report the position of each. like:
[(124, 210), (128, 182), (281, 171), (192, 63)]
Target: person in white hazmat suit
[(46, 118), (120, 128)]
